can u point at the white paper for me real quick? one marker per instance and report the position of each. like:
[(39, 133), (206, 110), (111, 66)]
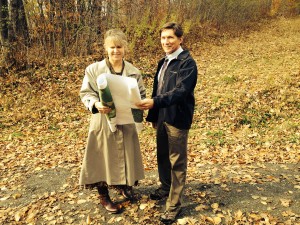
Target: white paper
[(134, 93), (125, 94)]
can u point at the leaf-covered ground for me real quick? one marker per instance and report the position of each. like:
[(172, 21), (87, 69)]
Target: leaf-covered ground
[(244, 146)]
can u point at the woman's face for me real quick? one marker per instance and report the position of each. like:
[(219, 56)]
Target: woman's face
[(115, 51)]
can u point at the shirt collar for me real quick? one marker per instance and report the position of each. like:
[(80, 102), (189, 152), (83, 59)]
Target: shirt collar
[(174, 54)]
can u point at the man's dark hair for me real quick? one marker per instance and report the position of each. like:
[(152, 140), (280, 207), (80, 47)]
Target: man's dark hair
[(175, 27)]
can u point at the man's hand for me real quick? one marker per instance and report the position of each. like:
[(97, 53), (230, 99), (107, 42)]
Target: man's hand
[(101, 108), (145, 104)]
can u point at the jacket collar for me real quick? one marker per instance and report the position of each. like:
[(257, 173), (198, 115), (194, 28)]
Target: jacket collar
[(182, 55)]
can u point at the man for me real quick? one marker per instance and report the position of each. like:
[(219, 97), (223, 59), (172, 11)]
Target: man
[(171, 112)]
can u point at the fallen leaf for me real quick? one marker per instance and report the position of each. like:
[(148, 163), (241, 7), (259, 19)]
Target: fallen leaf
[(143, 206), (81, 201), (112, 220), (209, 219), (201, 207), (4, 198), (118, 219), (255, 196), (217, 220), (215, 205), (238, 215), (88, 219), (182, 221), (285, 202), (18, 216), (17, 195)]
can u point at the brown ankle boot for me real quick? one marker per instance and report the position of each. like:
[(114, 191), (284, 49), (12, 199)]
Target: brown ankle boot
[(106, 201), (127, 192), (109, 205)]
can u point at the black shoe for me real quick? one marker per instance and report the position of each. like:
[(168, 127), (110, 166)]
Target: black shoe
[(159, 194), (170, 216)]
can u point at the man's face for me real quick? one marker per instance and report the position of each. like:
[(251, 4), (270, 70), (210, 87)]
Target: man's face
[(169, 41)]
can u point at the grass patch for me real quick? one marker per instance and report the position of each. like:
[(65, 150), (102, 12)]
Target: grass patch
[(230, 79)]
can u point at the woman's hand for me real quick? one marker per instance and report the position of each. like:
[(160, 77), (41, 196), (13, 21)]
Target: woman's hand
[(101, 108)]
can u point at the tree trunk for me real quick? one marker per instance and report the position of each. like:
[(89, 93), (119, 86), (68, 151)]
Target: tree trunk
[(51, 21), (4, 46), (3, 22), (43, 25), (19, 22), (63, 27), (94, 23)]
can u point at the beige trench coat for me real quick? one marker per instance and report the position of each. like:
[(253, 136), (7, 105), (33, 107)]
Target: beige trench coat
[(111, 157)]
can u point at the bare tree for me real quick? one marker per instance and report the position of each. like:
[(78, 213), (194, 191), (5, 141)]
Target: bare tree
[(75, 27), (18, 22), (3, 21), (3, 35), (14, 32)]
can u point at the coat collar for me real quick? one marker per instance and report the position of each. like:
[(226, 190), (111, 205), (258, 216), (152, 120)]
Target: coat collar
[(182, 56)]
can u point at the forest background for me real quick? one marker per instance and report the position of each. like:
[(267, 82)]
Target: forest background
[(244, 143), (63, 28)]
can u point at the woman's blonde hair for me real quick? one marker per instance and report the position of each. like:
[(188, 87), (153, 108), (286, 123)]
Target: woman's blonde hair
[(117, 37)]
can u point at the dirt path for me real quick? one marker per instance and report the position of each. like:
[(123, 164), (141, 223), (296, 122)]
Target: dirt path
[(272, 198), (243, 185)]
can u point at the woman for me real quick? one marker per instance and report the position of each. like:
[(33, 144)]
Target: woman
[(111, 158)]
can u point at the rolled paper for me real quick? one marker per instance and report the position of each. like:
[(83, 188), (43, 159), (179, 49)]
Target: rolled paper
[(102, 82), (107, 100), (138, 118), (137, 115)]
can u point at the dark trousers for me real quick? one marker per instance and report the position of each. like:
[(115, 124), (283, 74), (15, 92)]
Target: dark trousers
[(172, 162)]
